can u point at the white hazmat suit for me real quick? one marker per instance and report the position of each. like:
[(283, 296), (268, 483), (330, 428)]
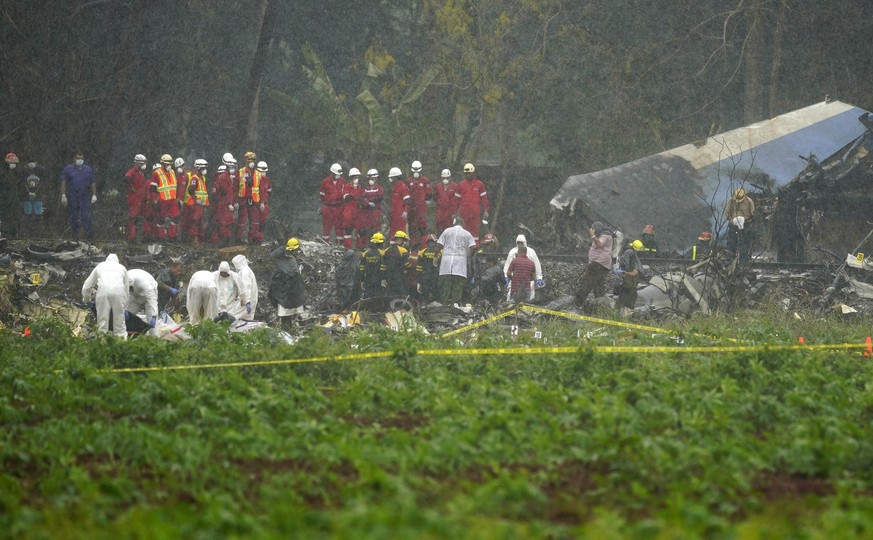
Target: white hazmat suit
[(143, 293), (248, 282), (202, 299), (110, 280), (532, 255), (231, 296)]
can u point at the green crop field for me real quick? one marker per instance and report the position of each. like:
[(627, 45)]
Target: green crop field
[(731, 445)]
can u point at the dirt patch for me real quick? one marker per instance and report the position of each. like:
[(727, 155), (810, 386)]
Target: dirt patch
[(773, 486), (403, 420)]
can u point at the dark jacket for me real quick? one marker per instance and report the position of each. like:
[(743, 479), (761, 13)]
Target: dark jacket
[(286, 285)]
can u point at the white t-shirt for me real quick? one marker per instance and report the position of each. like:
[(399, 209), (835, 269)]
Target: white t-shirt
[(456, 242)]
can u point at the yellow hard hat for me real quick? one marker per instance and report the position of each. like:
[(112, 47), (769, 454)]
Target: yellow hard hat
[(293, 244), (166, 158), (739, 194), (401, 234), (469, 168), (637, 245), (250, 156), (377, 238)]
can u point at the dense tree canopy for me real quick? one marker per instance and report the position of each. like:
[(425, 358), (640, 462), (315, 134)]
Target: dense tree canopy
[(572, 85)]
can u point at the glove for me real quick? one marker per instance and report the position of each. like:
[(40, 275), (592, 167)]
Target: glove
[(249, 308), (173, 292), (262, 207), (199, 202), (485, 214), (539, 283), (384, 283), (93, 199), (181, 202), (230, 207), (64, 199), (236, 206), (154, 321), (371, 204), (619, 271), (91, 305), (403, 215), (506, 280)]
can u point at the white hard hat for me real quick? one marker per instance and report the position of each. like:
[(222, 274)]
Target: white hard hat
[(446, 173), (228, 158), (139, 158), (179, 162), (372, 172), (395, 171), (221, 168), (262, 166), (336, 168), (200, 163), (354, 172), (416, 166)]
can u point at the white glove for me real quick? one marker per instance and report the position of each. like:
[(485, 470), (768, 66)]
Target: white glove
[(262, 207), (403, 215), (739, 222), (181, 202), (236, 206), (200, 202), (230, 207), (384, 283), (93, 199), (64, 199)]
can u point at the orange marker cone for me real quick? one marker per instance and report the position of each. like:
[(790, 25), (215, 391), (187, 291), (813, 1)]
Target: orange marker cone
[(800, 340), (868, 351), (26, 331)]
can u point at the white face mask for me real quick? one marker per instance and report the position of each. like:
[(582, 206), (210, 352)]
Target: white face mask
[(203, 172), (445, 181), (80, 162), (231, 169), (372, 182), (251, 164), (415, 175), (179, 170), (336, 177), (142, 166), (355, 182), (12, 166)]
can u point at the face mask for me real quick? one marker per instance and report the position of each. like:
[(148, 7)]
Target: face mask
[(169, 167), (355, 182), (232, 170), (251, 164), (372, 182), (336, 177), (415, 175), (179, 170), (31, 165), (12, 166), (203, 171), (142, 167), (80, 162), (445, 181)]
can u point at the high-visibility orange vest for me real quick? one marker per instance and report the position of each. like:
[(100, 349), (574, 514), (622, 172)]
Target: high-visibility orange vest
[(166, 184), (256, 185), (200, 193)]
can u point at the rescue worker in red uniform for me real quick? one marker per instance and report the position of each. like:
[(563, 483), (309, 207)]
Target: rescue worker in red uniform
[(165, 182), (223, 200), (259, 192), (151, 210), (371, 208), (400, 200), (137, 189), (446, 202), (352, 195), (243, 201), (332, 200), (196, 200), (472, 194), (419, 192)]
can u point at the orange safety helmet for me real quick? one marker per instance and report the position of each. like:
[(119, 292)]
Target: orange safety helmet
[(649, 229)]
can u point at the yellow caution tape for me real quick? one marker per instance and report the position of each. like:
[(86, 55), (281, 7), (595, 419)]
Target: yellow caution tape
[(518, 351), (481, 323)]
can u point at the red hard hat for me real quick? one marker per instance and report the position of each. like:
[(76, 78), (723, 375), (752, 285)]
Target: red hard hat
[(705, 235), (11, 158), (649, 229)]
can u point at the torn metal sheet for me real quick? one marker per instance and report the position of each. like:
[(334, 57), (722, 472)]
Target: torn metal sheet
[(685, 183), (863, 290), (74, 316)]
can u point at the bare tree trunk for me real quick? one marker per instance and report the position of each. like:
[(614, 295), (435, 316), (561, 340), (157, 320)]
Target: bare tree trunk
[(508, 147), (776, 63), (754, 64), (247, 127)]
